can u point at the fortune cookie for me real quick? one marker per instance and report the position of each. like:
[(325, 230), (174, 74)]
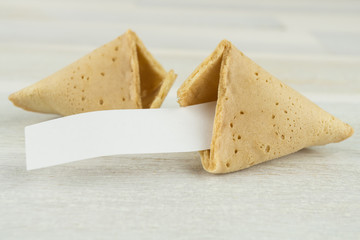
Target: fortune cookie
[(121, 74), (258, 117)]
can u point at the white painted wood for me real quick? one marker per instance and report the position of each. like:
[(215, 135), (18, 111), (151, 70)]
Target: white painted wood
[(313, 194)]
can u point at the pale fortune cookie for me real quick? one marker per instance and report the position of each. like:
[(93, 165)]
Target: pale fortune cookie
[(121, 74), (258, 118)]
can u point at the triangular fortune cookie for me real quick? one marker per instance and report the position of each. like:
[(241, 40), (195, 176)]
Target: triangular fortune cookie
[(121, 74), (258, 118)]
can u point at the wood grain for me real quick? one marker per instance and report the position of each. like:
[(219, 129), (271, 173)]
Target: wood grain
[(313, 194)]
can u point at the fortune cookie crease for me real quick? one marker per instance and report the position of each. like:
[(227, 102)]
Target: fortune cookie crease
[(121, 74), (258, 118)]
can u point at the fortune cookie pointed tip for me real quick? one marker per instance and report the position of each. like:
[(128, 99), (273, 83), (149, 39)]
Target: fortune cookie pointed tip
[(12, 97), (225, 43), (132, 35), (17, 98), (130, 31), (350, 131), (29, 99)]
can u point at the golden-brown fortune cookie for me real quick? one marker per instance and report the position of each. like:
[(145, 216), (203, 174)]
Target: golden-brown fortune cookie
[(258, 118), (121, 74)]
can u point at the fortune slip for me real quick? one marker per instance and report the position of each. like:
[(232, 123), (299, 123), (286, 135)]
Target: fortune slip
[(113, 132)]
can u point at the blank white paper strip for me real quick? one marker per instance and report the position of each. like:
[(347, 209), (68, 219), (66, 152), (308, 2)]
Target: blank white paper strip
[(113, 132)]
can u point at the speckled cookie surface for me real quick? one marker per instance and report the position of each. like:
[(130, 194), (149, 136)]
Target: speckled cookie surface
[(258, 118), (121, 74)]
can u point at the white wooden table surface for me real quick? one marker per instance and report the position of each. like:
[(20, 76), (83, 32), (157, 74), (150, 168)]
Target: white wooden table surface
[(314, 46)]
